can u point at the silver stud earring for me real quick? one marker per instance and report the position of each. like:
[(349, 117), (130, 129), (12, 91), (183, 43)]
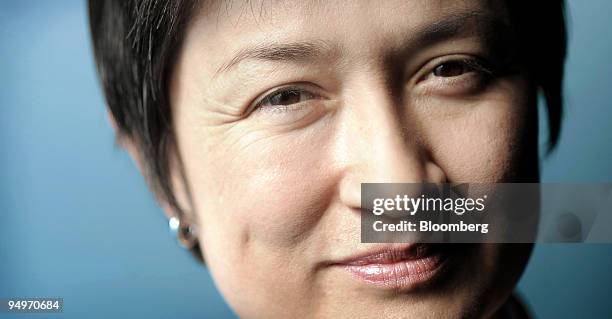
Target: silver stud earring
[(186, 233)]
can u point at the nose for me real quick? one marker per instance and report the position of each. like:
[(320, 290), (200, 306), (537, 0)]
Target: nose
[(378, 142)]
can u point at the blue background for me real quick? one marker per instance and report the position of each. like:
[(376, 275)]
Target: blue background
[(76, 220)]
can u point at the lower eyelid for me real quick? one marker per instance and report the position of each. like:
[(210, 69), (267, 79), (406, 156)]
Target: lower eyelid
[(293, 116), (281, 108), (452, 85), (289, 112)]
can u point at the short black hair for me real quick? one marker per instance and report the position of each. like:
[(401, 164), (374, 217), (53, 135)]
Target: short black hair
[(135, 42)]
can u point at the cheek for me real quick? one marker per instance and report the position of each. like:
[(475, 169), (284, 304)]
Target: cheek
[(259, 187), (258, 195), (481, 139)]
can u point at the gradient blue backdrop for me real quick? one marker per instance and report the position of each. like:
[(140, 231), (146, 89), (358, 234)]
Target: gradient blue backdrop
[(76, 220)]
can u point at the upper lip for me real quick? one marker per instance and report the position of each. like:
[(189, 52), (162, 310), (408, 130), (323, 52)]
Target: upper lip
[(386, 255)]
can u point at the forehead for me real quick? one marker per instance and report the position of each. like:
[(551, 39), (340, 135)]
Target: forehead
[(221, 29), (244, 17)]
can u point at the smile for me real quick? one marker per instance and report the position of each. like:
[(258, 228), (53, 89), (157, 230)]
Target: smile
[(399, 268)]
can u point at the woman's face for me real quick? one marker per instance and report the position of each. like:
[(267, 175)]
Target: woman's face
[(282, 109)]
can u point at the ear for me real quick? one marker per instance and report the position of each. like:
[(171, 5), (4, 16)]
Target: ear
[(185, 217)]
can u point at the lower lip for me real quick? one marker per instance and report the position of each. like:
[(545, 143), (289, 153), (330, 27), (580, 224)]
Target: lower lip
[(404, 274)]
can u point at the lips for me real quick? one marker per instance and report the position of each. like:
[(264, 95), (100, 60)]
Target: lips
[(398, 267)]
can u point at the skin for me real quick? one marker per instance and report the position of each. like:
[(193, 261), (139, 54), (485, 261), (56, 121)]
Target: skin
[(275, 189)]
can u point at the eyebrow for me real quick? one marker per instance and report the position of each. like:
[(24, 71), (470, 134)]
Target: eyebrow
[(294, 51), (486, 25), (432, 33)]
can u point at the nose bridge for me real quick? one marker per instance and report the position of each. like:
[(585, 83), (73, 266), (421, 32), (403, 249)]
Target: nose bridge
[(376, 144), (383, 146)]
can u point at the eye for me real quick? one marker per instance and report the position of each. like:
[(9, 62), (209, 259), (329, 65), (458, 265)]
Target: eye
[(456, 76), (460, 67), (285, 97), (450, 69), (289, 106)]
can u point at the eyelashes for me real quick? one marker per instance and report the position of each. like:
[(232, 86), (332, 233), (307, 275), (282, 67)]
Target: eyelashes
[(292, 105), (291, 102), (454, 68), (284, 97)]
